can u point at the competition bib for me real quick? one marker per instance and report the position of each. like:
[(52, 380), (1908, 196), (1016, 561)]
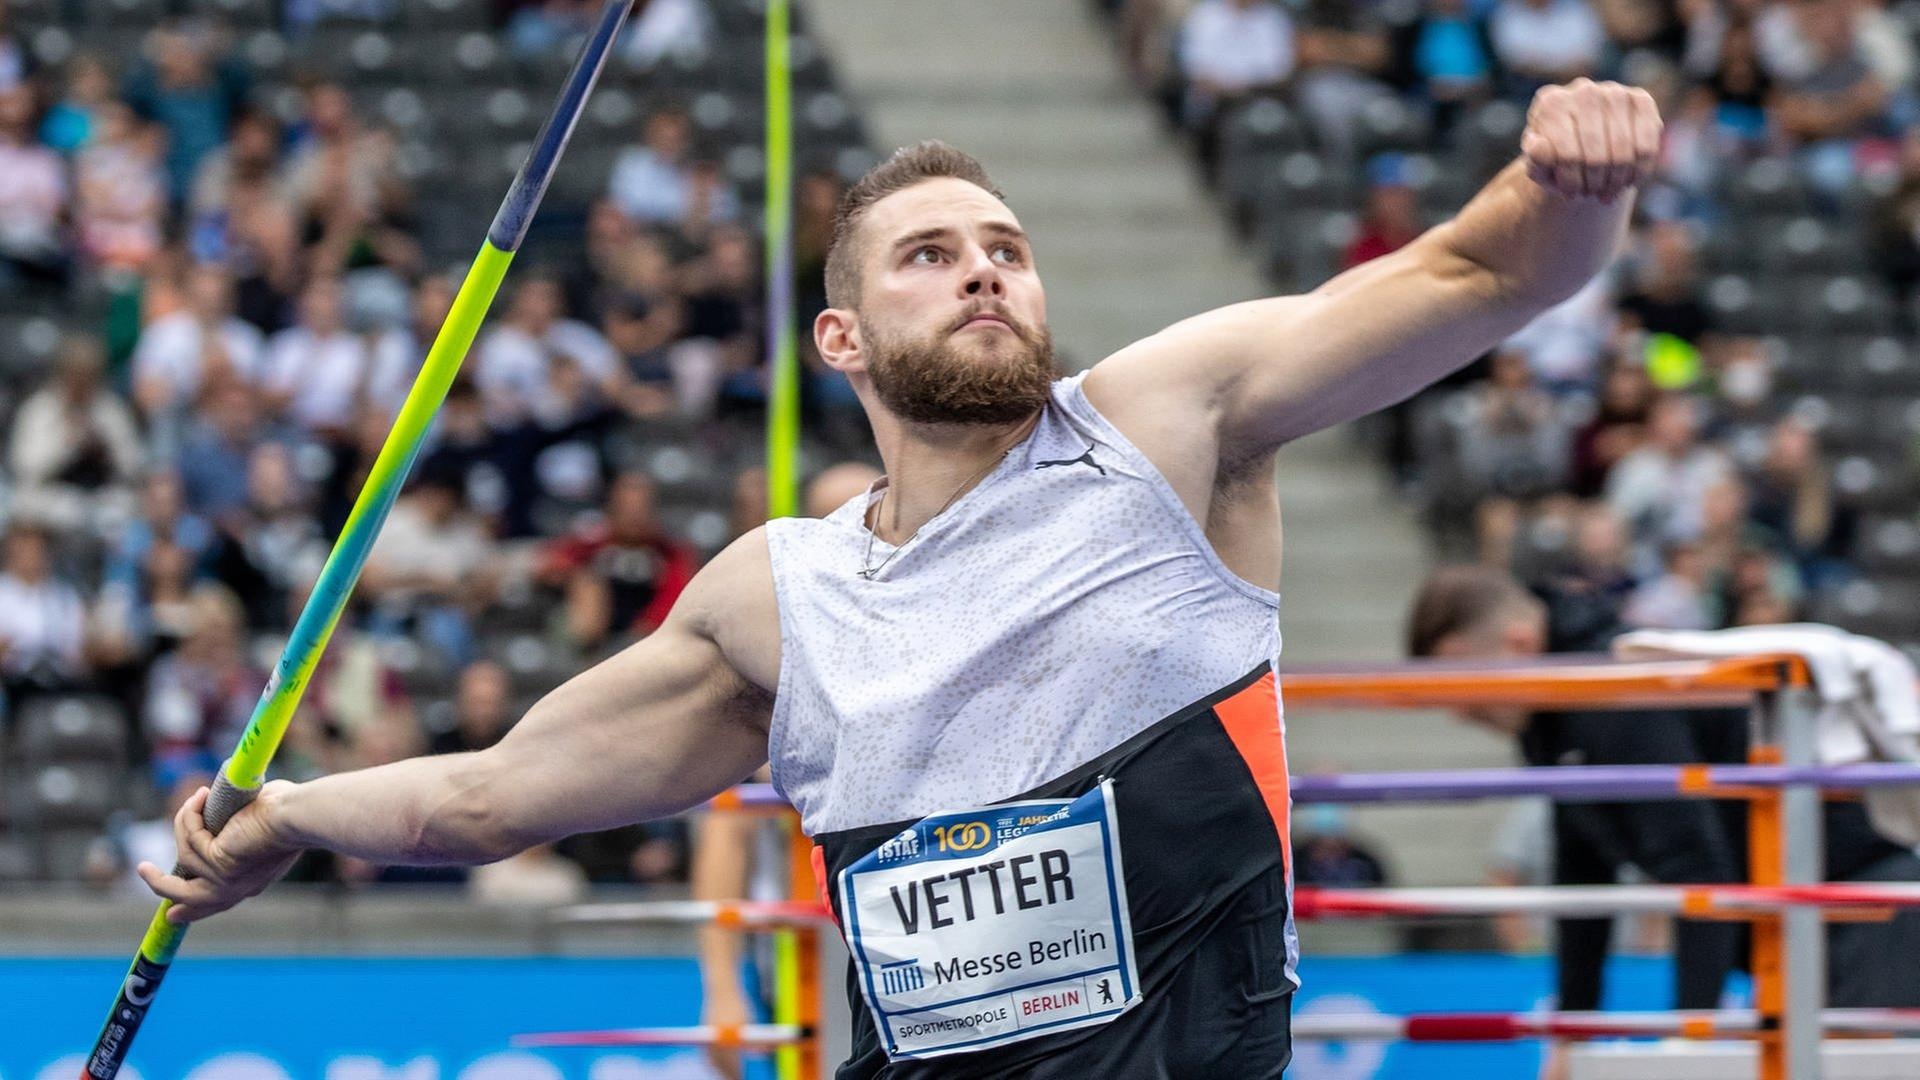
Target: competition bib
[(975, 929)]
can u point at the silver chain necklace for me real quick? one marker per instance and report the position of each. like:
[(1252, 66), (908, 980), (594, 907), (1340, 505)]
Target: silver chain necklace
[(868, 570)]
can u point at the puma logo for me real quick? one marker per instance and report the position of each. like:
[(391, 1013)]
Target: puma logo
[(1084, 459)]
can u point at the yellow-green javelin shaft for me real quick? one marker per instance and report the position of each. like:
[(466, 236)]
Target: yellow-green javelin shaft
[(247, 768), (783, 397), (243, 773)]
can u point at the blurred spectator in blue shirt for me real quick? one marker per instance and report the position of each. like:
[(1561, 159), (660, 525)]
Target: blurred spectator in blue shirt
[(213, 461), (190, 93), (163, 516), (1445, 59)]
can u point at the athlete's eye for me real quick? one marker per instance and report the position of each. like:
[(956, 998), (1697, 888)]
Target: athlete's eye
[(918, 252), (1011, 252)]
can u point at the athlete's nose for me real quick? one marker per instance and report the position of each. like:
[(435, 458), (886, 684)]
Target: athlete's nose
[(983, 277)]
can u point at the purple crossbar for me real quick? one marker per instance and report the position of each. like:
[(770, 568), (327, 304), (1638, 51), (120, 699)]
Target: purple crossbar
[(1583, 783), (759, 795), (1565, 783)]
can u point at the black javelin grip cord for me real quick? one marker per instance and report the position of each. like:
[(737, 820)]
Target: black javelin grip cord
[(230, 795)]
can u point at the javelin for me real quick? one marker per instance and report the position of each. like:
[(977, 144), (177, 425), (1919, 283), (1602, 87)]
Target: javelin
[(243, 774)]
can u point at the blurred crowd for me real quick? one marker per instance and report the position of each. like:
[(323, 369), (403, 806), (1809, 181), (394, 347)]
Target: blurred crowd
[(174, 477), (1625, 449), (1827, 81)]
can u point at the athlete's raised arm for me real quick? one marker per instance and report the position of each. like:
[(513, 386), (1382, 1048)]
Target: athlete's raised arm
[(1267, 371), (656, 729)]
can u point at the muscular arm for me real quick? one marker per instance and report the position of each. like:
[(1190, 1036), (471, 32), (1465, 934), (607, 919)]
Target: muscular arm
[(1261, 373), (656, 729)]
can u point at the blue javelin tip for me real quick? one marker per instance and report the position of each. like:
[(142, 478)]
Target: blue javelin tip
[(516, 210)]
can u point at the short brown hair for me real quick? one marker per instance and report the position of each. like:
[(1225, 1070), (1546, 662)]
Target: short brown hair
[(909, 165), (1459, 599)]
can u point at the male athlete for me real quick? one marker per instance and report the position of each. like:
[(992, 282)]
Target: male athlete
[(1022, 690)]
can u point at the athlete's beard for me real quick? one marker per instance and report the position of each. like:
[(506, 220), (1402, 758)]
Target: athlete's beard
[(937, 381)]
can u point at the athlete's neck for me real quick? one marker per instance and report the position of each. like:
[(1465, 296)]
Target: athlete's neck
[(930, 465)]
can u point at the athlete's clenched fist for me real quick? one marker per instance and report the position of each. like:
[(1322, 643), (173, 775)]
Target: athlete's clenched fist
[(1592, 140)]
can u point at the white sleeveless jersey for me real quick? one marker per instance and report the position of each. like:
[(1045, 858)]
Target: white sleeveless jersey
[(1064, 604)]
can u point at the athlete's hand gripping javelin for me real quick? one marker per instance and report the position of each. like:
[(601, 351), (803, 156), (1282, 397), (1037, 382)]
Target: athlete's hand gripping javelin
[(221, 870)]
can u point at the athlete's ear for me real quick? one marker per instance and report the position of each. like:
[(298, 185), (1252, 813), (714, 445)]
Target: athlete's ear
[(836, 334)]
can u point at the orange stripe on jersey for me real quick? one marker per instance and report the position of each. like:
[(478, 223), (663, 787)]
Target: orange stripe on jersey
[(1252, 720), (819, 861)]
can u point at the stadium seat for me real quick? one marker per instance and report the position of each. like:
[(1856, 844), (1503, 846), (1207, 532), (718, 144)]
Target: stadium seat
[(533, 664), (1768, 186), (1889, 542), (1487, 139), (1887, 365), (246, 14), (445, 14), (71, 727), (1253, 142), (1864, 482), (1875, 607), (1731, 298), (72, 794), (1842, 303), (65, 854), (19, 861), (707, 529), (1820, 364), (267, 53), (1389, 124), (132, 12), (1806, 244)]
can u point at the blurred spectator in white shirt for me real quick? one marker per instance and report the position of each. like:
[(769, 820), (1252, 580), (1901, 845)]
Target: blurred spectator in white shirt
[(1546, 41), (433, 567), (33, 198), (1345, 53), (1677, 598), (537, 877), (512, 361), (75, 449), (1836, 98), (665, 28), (653, 182), (320, 372), (1230, 49), (151, 840), (200, 695), (1660, 488), (120, 191), (180, 354), (42, 621), (1563, 344), (1234, 47)]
